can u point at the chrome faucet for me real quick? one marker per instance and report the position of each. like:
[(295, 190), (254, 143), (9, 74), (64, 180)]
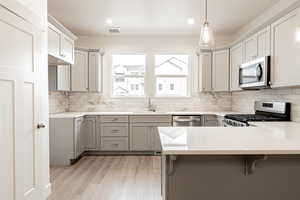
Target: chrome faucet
[(151, 107)]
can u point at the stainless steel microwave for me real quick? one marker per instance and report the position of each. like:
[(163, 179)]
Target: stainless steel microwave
[(255, 74)]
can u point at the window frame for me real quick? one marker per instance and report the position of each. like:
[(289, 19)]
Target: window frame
[(112, 95), (188, 76)]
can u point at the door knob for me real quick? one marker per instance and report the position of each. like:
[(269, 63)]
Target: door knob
[(39, 126)]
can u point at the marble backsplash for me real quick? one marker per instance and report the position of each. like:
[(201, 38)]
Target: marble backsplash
[(244, 101), (83, 102), (58, 102)]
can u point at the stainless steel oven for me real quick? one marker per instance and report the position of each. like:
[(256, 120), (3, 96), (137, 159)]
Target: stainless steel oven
[(255, 74)]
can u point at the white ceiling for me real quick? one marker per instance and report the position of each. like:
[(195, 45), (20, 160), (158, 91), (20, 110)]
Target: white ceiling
[(155, 17)]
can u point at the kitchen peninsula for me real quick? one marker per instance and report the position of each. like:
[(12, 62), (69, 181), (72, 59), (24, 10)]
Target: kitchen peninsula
[(257, 162)]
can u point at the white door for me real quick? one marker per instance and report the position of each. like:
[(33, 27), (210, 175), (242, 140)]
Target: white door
[(67, 49), (80, 72), (20, 58)]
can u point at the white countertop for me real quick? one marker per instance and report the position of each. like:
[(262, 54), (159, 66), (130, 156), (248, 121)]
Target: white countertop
[(262, 138), (81, 114)]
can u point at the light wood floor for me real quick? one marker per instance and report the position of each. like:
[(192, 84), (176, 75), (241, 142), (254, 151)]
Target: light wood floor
[(108, 178)]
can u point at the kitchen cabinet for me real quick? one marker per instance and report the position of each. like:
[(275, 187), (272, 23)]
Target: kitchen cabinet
[(67, 49), (60, 43), (236, 59), (53, 41), (79, 137), (87, 71), (205, 72), (264, 42), (114, 133), (209, 120), (90, 133), (66, 140), (258, 45), (144, 133), (79, 72), (95, 71), (59, 78), (220, 71), (285, 51), (250, 48)]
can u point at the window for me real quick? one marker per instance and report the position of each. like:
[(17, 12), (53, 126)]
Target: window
[(171, 73), (128, 73)]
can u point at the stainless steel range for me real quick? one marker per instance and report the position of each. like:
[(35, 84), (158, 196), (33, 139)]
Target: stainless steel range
[(264, 111)]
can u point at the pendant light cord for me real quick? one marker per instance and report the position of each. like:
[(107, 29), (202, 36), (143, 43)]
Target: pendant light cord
[(205, 10)]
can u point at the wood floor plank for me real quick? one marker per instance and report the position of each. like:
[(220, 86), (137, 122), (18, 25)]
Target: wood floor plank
[(108, 178)]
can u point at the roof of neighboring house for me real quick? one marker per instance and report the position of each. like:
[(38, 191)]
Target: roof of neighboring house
[(175, 62)]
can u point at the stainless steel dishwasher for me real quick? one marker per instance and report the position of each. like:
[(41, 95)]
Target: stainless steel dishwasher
[(184, 120)]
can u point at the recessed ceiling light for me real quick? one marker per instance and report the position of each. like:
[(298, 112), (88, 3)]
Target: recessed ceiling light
[(108, 21), (191, 21)]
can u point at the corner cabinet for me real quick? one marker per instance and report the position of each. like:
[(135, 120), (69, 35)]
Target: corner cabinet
[(285, 51), (79, 72), (220, 71), (236, 59), (205, 72), (87, 71), (90, 133)]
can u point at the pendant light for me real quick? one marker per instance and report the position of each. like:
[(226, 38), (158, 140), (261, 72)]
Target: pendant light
[(206, 34)]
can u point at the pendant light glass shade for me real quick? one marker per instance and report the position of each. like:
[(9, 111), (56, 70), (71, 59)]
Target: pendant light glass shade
[(206, 36), (206, 33), (297, 34)]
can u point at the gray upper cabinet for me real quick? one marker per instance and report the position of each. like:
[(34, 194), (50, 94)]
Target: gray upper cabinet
[(90, 133), (205, 72), (220, 71), (258, 45), (59, 78), (285, 51), (60, 45), (250, 48), (80, 72), (95, 72), (236, 59), (264, 42), (87, 71)]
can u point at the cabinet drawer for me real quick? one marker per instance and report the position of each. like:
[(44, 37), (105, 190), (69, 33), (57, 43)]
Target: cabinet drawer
[(114, 119), (114, 131), (138, 119), (114, 144)]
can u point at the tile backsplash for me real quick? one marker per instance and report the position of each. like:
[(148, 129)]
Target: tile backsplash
[(89, 102), (244, 101), (58, 102)]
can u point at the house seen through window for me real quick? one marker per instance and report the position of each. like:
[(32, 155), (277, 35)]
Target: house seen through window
[(171, 73), (128, 73)]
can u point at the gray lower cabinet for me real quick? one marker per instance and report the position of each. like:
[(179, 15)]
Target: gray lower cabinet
[(114, 133), (144, 133), (66, 140), (90, 133), (209, 120)]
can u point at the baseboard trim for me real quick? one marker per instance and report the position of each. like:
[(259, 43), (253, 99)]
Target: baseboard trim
[(47, 190)]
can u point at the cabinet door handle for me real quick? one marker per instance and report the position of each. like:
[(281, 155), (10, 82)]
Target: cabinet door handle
[(115, 131)]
